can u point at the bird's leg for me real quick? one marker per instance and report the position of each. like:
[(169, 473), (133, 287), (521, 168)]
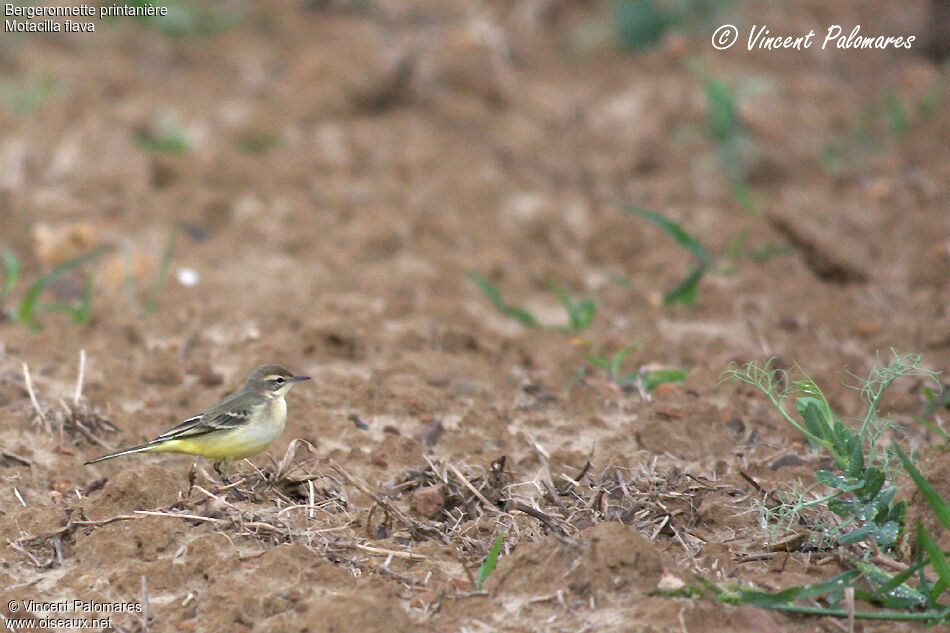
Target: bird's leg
[(223, 474)]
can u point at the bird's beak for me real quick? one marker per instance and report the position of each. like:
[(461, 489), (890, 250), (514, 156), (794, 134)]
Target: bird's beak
[(299, 378)]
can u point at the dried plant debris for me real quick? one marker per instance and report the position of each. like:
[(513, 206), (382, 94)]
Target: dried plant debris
[(83, 421), (318, 503), (74, 417)]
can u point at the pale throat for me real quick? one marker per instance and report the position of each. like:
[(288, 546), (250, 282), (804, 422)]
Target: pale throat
[(278, 408)]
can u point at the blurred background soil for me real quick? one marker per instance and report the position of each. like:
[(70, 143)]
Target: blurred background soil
[(326, 173)]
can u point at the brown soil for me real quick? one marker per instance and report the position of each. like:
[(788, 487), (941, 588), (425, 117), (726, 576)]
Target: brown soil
[(346, 169)]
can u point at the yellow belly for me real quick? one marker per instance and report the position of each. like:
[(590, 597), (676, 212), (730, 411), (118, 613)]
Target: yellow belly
[(231, 444)]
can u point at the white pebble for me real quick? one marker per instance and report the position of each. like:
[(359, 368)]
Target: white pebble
[(188, 277)]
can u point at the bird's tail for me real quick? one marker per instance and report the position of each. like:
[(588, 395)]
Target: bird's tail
[(126, 451)]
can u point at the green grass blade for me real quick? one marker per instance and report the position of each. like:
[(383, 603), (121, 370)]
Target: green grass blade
[(582, 313), (930, 425), (489, 565), (895, 114), (930, 617), (785, 598), (579, 313), (521, 315), (677, 232), (937, 502), (687, 290), (657, 377), (618, 359), (898, 580), (721, 110), (28, 305), (597, 361), (937, 559)]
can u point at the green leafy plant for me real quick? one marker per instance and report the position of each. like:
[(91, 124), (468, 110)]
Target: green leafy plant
[(634, 26), (580, 312), (732, 139), (521, 315), (642, 381), (898, 597), (687, 290), (488, 566), (888, 117), (30, 306), (641, 24), (864, 492), (862, 480)]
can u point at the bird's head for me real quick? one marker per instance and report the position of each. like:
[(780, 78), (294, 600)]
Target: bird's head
[(273, 380)]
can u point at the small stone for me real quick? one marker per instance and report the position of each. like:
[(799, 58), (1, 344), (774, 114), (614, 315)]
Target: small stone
[(59, 483), (188, 277), (429, 434), (665, 389), (429, 501), (357, 421), (463, 585), (56, 245), (785, 461), (670, 413), (250, 332), (439, 380), (669, 582)]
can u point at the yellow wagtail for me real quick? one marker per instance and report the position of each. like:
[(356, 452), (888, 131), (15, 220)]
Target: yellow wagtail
[(240, 425)]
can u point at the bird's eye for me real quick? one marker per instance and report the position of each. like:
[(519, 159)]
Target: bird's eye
[(279, 380)]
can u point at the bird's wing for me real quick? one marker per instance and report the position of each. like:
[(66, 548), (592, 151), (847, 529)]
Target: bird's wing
[(230, 413), (184, 429)]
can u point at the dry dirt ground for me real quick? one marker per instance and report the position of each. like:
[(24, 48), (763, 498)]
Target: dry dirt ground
[(346, 164)]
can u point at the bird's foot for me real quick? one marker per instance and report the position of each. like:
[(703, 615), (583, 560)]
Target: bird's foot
[(227, 482)]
